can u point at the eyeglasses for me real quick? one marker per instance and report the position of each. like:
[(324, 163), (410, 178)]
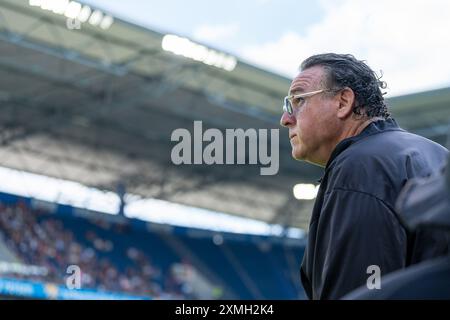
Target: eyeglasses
[(296, 100)]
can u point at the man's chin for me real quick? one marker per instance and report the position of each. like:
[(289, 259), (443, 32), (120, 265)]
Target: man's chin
[(301, 156), (297, 155)]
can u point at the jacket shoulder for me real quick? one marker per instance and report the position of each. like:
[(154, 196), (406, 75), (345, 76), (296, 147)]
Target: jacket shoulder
[(382, 163)]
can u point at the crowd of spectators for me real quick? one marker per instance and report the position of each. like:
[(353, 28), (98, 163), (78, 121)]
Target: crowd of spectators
[(40, 239)]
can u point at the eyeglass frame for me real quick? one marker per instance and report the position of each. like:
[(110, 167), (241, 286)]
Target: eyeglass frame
[(287, 103)]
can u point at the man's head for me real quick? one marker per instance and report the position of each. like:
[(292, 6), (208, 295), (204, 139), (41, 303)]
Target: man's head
[(331, 98)]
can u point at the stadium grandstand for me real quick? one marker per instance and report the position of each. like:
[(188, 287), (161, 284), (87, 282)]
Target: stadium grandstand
[(86, 177)]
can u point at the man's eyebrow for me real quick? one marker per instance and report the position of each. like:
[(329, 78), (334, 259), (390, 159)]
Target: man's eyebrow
[(296, 90)]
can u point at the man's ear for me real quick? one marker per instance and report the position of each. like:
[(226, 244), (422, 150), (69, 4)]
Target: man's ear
[(346, 102)]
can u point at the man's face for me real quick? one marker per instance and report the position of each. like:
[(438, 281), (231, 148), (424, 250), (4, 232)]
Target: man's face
[(313, 125)]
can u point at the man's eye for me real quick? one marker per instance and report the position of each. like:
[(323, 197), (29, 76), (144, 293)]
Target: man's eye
[(297, 101)]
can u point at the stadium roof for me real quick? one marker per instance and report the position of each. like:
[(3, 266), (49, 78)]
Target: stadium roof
[(99, 106)]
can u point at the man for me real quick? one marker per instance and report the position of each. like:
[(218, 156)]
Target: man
[(337, 119)]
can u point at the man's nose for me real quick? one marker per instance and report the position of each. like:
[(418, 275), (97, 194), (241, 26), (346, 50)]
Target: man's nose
[(286, 119)]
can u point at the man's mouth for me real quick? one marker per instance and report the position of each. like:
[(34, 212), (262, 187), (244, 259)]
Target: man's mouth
[(292, 136)]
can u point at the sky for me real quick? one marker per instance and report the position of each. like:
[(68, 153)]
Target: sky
[(406, 41)]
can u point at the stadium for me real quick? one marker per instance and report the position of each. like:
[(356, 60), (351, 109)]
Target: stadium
[(88, 187)]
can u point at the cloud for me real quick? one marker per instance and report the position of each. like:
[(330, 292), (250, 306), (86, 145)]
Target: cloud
[(408, 40), (215, 32)]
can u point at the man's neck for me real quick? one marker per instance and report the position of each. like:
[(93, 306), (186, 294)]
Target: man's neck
[(357, 128), (353, 130)]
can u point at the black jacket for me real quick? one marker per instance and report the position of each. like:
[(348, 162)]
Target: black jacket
[(424, 206), (354, 224), (422, 281)]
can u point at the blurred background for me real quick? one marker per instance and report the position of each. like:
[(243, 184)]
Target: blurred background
[(90, 93)]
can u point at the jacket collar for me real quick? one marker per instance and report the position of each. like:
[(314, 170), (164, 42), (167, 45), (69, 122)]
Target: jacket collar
[(375, 127)]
